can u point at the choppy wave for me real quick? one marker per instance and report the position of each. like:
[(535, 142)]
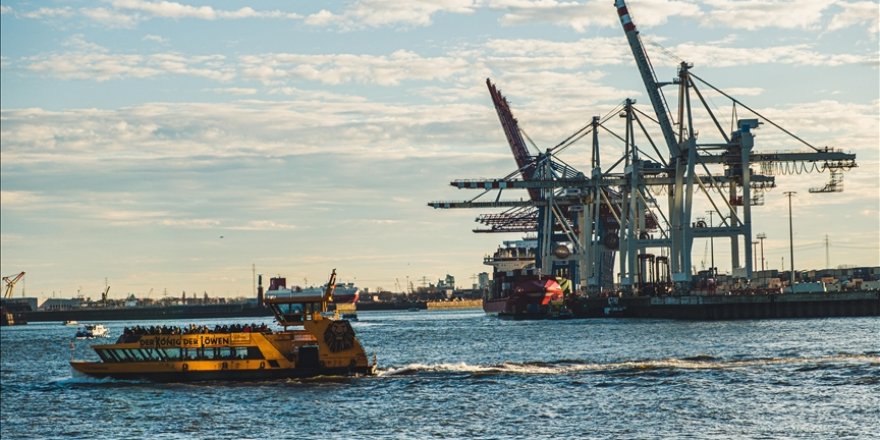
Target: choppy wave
[(699, 362)]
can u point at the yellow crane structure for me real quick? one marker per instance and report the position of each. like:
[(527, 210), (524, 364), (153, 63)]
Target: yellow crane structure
[(10, 284)]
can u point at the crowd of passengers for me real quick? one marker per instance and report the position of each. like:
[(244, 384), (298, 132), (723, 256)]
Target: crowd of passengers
[(195, 329)]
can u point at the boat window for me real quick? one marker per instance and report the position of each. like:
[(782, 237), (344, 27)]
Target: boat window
[(110, 355), (224, 353), (135, 354), (188, 353), (171, 353), (151, 354), (254, 353), (291, 312), (104, 356), (120, 354)]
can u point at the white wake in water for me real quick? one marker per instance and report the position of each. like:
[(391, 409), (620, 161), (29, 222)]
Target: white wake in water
[(701, 362)]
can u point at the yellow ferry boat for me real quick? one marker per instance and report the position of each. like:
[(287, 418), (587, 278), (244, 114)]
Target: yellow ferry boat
[(318, 344)]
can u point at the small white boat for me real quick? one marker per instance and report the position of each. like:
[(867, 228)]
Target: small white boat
[(70, 322), (93, 331)]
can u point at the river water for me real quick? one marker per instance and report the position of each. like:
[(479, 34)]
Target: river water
[(460, 374)]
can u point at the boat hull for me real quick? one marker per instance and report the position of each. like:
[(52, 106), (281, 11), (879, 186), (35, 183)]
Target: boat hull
[(176, 372)]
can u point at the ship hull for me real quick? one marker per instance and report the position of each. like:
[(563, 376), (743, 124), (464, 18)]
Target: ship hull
[(526, 297), (519, 307)]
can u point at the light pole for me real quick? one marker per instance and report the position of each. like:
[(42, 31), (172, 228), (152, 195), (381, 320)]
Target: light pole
[(755, 253), (712, 242), (791, 237), (761, 237)]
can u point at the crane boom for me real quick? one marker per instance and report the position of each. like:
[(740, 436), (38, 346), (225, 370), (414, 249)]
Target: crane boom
[(331, 287), (524, 160), (648, 77), (10, 284)]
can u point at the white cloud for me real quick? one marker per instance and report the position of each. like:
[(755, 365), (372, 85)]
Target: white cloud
[(856, 13), (384, 70), (19, 199), (128, 13), (155, 38), (241, 91), (523, 54), (198, 223), (174, 10), (378, 13), (795, 54), (100, 66), (263, 225), (110, 17), (595, 13), (118, 216), (167, 9), (78, 43), (323, 18), (758, 14), (48, 13)]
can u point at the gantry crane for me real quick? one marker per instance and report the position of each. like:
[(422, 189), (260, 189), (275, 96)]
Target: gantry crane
[(583, 222), (735, 154), (10, 284)]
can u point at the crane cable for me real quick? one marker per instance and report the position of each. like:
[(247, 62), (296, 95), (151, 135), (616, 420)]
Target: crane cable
[(755, 112)]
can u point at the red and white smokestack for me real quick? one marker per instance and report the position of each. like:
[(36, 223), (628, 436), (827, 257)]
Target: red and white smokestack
[(627, 23)]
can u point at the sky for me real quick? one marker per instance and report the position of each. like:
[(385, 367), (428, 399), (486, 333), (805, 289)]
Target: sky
[(165, 147)]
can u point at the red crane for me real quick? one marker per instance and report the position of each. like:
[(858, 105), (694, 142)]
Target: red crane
[(524, 161)]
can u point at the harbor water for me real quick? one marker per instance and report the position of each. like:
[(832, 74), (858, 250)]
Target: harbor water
[(461, 374)]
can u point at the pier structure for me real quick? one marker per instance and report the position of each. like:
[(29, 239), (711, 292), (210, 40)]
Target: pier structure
[(628, 223)]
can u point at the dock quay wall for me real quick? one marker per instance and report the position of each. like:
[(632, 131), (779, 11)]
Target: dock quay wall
[(449, 305), (152, 313), (720, 307)]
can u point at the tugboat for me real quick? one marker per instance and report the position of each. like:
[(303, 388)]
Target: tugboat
[(313, 342)]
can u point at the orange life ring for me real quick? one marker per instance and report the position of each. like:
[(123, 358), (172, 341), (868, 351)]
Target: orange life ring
[(185, 367)]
